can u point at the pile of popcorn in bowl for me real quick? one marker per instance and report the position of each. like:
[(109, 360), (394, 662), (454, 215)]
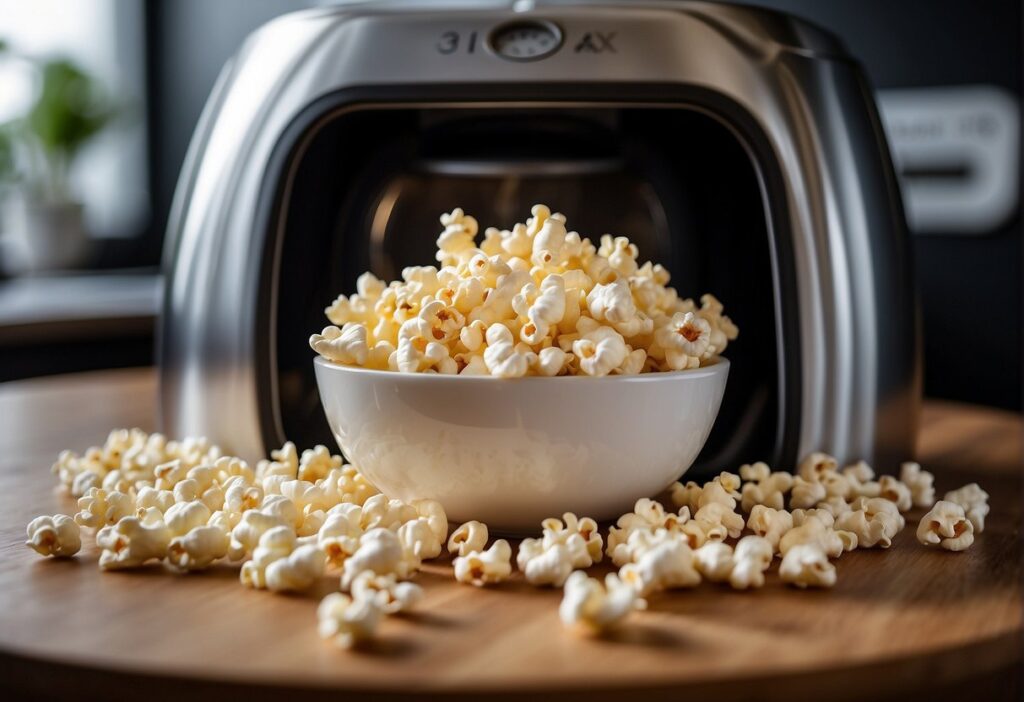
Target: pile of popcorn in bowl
[(536, 299)]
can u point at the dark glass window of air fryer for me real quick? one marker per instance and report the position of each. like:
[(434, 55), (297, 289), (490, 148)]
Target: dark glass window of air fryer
[(370, 188)]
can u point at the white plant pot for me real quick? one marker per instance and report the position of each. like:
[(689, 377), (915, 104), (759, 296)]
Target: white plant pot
[(41, 236)]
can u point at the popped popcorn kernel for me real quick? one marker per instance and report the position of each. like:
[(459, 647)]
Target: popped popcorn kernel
[(807, 565), (468, 537), (751, 558), (875, 521), (388, 593), (346, 622), (590, 607), (56, 536), (974, 500), (714, 560), (485, 567), (665, 566), (946, 525), (920, 482)]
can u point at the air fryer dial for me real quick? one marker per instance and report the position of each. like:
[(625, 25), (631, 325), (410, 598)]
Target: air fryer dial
[(526, 40)]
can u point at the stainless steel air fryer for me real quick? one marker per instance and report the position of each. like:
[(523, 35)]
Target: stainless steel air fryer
[(739, 147)]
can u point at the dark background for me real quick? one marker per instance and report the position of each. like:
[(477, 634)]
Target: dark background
[(970, 284)]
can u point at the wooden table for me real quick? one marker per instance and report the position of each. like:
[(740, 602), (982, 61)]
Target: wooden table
[(906, 620)]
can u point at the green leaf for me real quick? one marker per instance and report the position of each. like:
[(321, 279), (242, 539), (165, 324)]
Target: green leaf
[(70, 109)]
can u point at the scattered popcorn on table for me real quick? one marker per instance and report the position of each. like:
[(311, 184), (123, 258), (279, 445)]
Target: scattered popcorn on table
[(198, 548), (772, 524), (667, 566), (132, 542), (896, 492), (974, 500), (380, 551), (714, 561), (485, 567), (471, 536), (946, 525), (751, 558), (763, 487), (296, 515), (814, 531), (389, 594), (346, 622), (534, 300), (54, 536), (920, 482), (875, 521), (807, 565), (590, 607)]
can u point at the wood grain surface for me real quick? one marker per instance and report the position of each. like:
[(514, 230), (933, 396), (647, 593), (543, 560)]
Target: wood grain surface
[(899, 621)]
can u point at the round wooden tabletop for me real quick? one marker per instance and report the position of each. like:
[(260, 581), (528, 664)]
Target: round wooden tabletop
[(899, 621)]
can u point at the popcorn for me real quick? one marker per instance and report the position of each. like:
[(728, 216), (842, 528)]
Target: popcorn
[(345, 621), (418, 540), (763, 487), (188, 504), (590, 543), (686, 495), (875, 521), (590, 607), (685, 338), (816, 466), (284, 461), (600, 350), (132, 542), (468, 537), (771, 524), (544, 566), (485, 567), (714, 561), (806, 493), (247, 534), (57, 536), (198, 548), (388, 593), (920, 482), (861, 477), (532, 300), (316, 463), (99, 508), (339, 535), (666, 566), (437, 519), (275, 544), (379, 551), (807, 565), (503, 358), (974, 500), (814, 531), (751, 558), (946, 525), (648, 515), (381, 512), (297, 571), (896, 492), (718, 521)]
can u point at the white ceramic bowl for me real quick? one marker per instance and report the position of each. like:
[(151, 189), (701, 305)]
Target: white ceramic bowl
[(510, 452)]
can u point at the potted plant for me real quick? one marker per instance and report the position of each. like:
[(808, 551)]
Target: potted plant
[(43, 221)]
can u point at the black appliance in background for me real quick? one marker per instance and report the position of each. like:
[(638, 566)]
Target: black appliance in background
[(948, 77)]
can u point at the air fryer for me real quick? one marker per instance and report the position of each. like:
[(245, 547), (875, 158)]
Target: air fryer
[(739, 148)]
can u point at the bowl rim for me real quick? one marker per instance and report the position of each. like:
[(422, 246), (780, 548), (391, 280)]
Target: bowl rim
[(717, 366)]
